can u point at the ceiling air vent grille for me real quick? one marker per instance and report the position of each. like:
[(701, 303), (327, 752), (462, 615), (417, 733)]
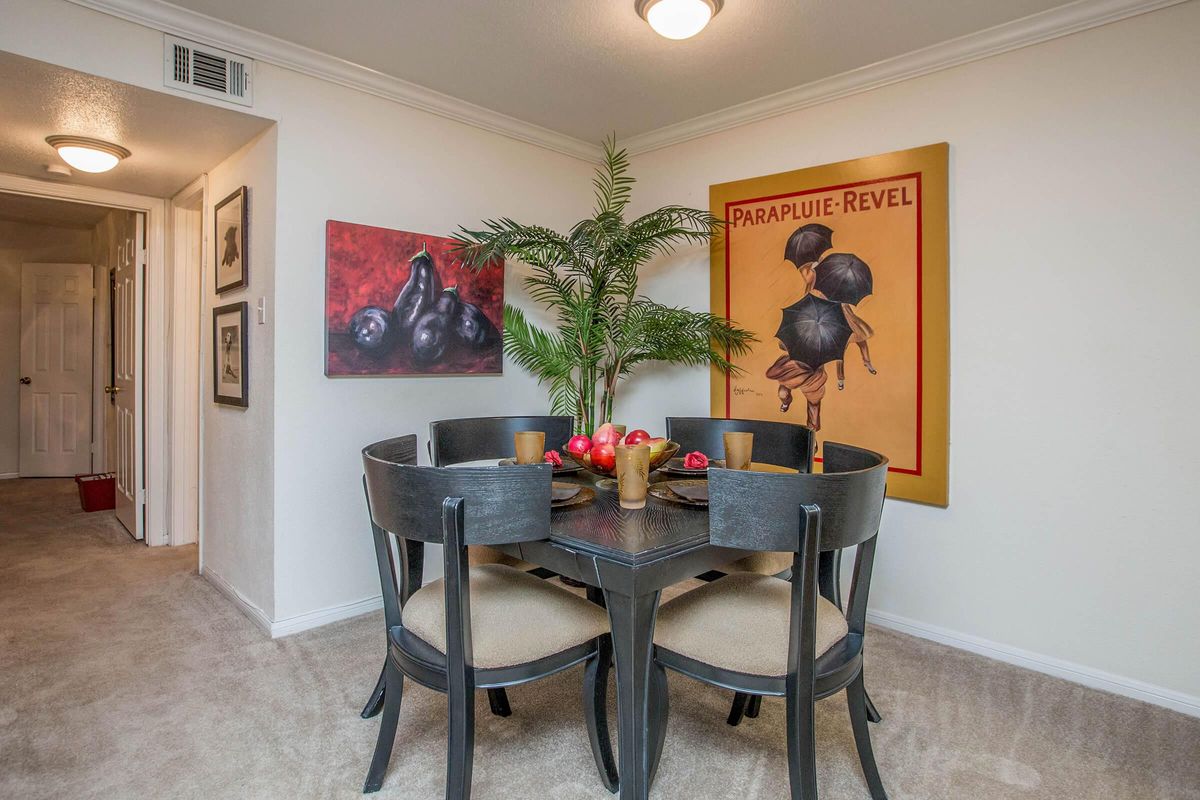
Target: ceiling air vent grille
[(206, 70)]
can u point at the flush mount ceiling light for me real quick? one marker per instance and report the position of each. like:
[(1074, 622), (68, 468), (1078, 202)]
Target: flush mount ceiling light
[(678, 19), (87, 155)]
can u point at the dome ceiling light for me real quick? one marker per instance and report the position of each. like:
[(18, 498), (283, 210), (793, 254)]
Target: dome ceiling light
[(678, 19), (87, 155)]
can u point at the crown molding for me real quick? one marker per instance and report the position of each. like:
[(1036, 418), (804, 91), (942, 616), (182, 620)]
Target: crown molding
[(1047, 25), (1041, 27), (198, 27)]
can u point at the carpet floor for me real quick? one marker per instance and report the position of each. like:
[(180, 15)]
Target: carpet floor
[(124, 674)]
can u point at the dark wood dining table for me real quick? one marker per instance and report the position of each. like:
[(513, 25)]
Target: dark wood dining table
[(628, 557)]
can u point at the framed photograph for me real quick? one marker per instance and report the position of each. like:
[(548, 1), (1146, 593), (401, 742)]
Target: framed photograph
[(399, 303), (230, 355), (230, 252), (842, 272)]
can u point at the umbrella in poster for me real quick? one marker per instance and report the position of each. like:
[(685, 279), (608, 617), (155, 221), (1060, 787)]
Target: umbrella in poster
[(844, 278), (807, 243), (814, 331)]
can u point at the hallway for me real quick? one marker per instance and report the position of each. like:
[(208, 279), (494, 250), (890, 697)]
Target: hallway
[(124, 674)]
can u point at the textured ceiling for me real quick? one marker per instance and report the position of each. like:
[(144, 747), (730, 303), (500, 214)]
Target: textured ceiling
[(588, 67), (44, 211), (172, 139)]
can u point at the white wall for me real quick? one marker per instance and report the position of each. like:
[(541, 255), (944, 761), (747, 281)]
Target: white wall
[(22, 242), (1074, 178), (238, 450)]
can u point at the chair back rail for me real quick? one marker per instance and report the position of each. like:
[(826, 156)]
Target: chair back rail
[(454, 441), (783, 444)]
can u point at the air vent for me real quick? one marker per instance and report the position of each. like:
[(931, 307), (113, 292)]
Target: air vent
[(206, 70)]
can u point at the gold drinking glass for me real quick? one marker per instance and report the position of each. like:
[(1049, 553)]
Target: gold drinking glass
[(738, 446), (531, 446), (633, 474)]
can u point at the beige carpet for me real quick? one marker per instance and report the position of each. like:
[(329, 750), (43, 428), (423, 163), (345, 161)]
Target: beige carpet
[(123, 674)]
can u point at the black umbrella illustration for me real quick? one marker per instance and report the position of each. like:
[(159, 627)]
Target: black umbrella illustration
[(814, 331), (806, 244), (844, 278)]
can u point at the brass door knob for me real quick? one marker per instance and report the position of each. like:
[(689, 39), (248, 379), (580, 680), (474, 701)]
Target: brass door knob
[(26, 380), (112, 390)]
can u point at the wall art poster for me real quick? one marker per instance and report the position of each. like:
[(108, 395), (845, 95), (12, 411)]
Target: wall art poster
[(399, 303), (841, 271)]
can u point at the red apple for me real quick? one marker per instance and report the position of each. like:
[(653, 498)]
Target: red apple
[(606, 434), (604, 457), (636, 437), (579, 445)]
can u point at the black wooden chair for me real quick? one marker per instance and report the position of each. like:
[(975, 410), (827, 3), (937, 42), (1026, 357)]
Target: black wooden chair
[(485, 627), (761, 636), (458, 441), (783, 444)]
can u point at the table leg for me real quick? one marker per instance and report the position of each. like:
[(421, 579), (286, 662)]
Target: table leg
[(632, 620)]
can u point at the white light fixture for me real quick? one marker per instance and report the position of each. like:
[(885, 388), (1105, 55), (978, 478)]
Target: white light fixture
[(87, 155), (678, 19)]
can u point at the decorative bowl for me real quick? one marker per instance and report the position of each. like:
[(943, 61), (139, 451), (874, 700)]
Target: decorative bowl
[(656, 460)]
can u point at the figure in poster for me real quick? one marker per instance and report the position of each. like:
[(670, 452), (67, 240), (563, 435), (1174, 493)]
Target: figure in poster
[(230, 255), (818, 328)]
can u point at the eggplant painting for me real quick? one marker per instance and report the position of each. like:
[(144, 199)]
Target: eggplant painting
[(398, 303)]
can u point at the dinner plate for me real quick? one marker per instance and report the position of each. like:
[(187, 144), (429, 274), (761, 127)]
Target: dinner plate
[(675, 467), (583, 495), (566, 469), (663, 491)]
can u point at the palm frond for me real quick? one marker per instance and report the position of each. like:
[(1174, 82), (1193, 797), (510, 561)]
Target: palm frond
[(614, 186)]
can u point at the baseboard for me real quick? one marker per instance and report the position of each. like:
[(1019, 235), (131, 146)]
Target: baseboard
[(4, 476), (256, 614), (1048, 665), (324, 616)]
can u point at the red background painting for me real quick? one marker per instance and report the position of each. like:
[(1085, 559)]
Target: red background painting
[(368, 266)]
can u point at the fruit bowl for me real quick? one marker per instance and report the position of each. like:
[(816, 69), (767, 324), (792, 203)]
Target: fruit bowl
[(656, 459)]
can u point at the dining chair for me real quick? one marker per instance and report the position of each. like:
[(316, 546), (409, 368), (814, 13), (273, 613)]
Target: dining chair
[(761, 636), (480, 627), (458, 441), (783, 444)]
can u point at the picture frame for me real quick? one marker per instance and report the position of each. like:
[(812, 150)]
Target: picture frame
[(231, 385), (816, 262), (231, 218)]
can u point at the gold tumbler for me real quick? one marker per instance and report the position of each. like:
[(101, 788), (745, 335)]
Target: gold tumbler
[(531, 446), (633, 474), (738, 447)]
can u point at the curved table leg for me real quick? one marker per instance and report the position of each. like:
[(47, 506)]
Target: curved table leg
[(632, 621)]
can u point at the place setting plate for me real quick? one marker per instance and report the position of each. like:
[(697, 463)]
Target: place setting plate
[(675, 467), (564, 494), (568, 468), (685, 493)]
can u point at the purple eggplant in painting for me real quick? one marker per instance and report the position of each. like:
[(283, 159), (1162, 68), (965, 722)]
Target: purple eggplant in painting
[(418, 295), (372, 330), (433, 334), (473, 328)]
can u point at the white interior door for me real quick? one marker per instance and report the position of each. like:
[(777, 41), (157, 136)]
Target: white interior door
[(56, 370), (127, 370)]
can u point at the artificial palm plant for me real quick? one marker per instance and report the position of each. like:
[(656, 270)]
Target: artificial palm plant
[(589, 279)]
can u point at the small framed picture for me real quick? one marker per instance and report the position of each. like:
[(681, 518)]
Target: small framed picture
[(232, 220), (230, 377)]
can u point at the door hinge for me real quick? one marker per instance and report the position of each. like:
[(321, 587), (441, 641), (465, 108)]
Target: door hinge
[(141, 496)]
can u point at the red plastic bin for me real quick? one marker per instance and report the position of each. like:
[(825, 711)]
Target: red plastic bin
[(97, 492)]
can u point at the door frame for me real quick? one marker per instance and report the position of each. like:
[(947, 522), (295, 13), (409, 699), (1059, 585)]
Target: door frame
[(151, 341), (188, 258)]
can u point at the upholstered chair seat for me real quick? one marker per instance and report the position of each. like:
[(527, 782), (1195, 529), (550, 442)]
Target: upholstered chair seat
[(482, 554), (741, 623), (516, 618), (761, 563)]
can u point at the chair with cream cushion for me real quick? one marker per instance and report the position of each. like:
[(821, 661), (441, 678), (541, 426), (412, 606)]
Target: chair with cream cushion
[(781, 444), (759, 635), (481, 627)]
